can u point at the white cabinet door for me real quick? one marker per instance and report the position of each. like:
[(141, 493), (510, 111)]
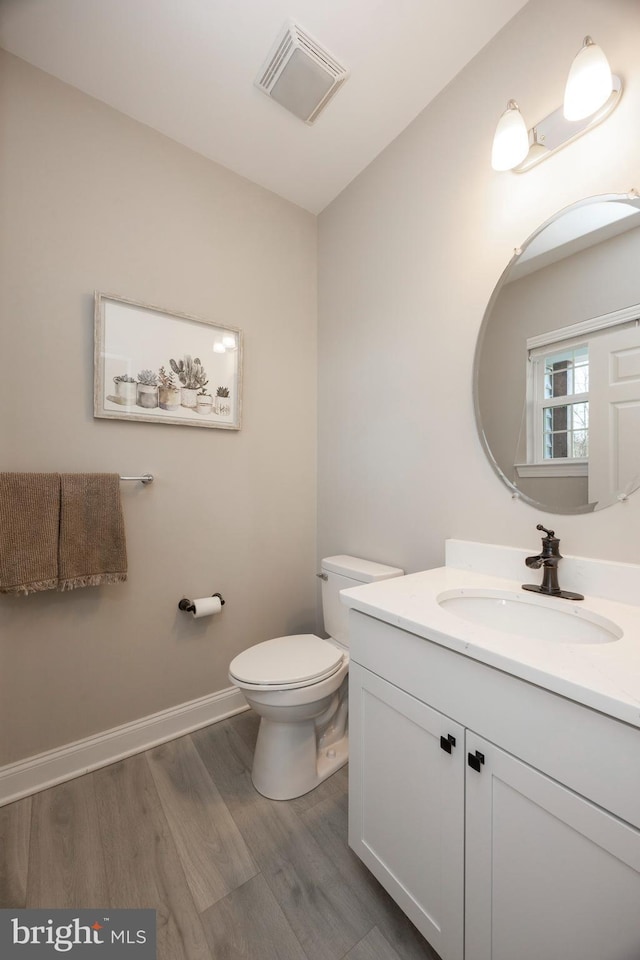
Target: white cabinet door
[(548, 874), (406, 807)]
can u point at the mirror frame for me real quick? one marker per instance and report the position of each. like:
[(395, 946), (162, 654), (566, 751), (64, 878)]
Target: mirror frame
[(516, 493)]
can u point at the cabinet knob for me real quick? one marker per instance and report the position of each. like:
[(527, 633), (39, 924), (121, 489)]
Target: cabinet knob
[(475, 760), (447, 742)]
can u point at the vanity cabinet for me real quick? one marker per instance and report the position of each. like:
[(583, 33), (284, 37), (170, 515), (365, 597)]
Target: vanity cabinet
[(503, 818), (406, 804), (548, 874)]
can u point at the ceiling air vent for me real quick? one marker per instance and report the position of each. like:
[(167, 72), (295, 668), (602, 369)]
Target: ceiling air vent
[(300, 75)]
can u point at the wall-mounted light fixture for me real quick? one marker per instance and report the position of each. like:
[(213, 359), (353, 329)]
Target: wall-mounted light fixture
[(591, 94)]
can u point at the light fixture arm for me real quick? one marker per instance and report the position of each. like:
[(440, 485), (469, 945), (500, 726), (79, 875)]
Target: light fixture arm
[(555, 132)]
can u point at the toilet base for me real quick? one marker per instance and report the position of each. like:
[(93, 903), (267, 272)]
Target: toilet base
[(287, 762)]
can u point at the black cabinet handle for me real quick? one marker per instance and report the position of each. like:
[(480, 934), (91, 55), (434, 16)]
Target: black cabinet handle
[(447, 742), (475, 760)]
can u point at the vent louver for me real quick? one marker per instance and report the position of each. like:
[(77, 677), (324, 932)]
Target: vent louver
[(300, 75)]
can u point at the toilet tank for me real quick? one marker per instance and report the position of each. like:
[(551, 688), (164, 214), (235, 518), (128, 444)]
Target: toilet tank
[(341, 572)]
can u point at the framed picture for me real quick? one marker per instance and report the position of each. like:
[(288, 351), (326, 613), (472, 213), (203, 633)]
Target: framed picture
[(162, 367)]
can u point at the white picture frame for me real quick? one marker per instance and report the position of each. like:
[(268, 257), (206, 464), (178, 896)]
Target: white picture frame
[(156, 366)]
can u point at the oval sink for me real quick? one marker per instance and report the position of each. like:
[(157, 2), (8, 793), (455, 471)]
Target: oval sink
[(530, 615)]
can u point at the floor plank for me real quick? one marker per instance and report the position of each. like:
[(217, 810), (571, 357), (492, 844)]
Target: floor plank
[(142, 865), (178, 829), (373, 947), (328, 821), (326, 915), (249, 925), (66, 861), (214, 856), (15, 826)]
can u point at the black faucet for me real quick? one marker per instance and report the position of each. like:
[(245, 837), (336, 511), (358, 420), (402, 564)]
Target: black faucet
[(549, 559)]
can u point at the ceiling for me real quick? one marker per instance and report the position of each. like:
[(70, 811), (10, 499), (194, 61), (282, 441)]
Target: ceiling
[(187, 69)]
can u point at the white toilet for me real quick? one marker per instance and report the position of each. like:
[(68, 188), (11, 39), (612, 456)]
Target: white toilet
[(299, 687)]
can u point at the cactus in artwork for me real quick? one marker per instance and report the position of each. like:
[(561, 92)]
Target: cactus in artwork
[(190, 372)]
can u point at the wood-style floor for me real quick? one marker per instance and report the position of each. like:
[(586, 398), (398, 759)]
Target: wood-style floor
[(233, 876)]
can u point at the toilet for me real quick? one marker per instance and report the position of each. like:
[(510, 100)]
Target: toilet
[(299, 687)]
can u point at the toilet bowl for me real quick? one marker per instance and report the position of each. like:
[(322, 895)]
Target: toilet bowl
[(298, 685)]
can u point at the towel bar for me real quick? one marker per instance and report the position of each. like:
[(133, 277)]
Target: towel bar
[(145, 478)]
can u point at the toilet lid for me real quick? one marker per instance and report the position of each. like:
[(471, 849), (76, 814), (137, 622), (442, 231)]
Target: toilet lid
[(296, 659)]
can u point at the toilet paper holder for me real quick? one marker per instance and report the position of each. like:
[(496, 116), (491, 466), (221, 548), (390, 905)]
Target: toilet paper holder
[(189, 607)]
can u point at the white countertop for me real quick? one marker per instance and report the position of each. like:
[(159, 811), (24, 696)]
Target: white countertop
[(603, 676)]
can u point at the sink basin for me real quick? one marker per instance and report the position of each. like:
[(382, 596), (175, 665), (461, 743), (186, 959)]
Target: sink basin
[(530, 615)]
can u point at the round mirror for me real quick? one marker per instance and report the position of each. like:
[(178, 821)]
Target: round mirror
[(557, 365)]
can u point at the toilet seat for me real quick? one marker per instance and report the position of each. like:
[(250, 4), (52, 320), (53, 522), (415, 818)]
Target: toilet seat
[(285, 662)]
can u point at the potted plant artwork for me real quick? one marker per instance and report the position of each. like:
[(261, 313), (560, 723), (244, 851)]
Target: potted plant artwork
[(204, 402), (223, 404), (193, 378), (168, 391), (147, 389), (125, 390)]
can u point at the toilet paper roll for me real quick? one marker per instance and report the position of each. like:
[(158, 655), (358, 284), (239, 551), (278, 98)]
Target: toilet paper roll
[(206, 607)]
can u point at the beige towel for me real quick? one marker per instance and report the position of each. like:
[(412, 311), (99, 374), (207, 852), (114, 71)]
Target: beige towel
[(60, 531), (92, 548), (29, 518)]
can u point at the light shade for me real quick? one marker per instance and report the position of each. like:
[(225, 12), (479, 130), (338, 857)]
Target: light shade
[(511, 139), (589, 83)]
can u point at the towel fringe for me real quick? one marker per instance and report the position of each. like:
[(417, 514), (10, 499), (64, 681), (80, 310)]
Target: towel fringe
[(26, 588), (96, 580)]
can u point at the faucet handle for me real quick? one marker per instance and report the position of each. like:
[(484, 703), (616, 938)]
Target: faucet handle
[(549, 533)]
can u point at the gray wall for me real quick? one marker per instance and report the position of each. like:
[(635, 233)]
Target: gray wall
[(92, 200), (408, 257)]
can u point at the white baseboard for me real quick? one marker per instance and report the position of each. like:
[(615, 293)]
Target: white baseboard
[(74, 759)]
